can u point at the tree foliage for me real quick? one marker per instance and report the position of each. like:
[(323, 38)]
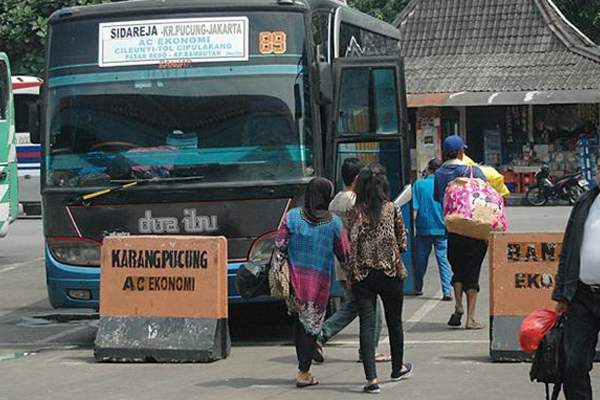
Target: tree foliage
[(584, 14), (386, 10), (23, 26)]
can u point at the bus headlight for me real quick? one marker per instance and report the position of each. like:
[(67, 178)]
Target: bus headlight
[(75, 251), (262, 248)]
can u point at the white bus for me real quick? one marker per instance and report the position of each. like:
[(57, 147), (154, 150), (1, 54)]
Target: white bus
[(26, 90)]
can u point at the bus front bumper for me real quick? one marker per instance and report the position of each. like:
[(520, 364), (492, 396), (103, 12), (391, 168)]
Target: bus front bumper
[(72, 286)]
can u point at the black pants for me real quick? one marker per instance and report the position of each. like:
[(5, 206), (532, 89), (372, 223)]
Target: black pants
[(581, 336), (391, 291), (466, 256), (305, 345)]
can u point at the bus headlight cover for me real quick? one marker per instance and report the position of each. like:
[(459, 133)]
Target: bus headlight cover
[(262, 249), (75, 251)]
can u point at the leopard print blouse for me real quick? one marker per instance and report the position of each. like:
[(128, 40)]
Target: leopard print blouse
[(376, 247)]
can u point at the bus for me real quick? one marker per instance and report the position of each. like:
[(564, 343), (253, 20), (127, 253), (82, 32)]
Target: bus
[(26, 91), (9, 197), (195, 117)]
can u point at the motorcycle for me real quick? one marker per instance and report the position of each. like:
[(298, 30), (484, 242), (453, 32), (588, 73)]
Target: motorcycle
[(568, 187)]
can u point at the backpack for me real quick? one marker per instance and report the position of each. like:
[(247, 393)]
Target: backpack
[(251, 280), (548, 361)]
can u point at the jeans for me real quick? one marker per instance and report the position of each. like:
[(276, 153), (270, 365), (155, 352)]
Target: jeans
[(581, 336), (344, 315), (305, 345), (391, 291), (423, 247)]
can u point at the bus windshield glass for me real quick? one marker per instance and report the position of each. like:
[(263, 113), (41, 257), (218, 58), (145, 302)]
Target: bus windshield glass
[(215, 122)]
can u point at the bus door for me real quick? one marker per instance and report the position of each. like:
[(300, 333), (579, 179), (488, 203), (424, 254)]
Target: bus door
[(9, 199), (369, 113)]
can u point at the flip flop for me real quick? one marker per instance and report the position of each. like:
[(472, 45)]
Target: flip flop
[(379, 357), (455, 318), (319, 356), (476, 325), (311, 382)]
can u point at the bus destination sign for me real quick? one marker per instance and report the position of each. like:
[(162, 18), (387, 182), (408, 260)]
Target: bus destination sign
[(153, 41)]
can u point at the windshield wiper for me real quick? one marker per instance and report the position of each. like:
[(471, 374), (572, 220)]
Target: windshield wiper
[(157, 179), (128, 183)]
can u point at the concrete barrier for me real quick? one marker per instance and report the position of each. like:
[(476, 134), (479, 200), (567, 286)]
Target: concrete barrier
[(163, 298), (523, 267)]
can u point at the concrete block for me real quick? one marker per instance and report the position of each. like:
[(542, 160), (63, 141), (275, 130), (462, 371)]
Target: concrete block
[(163, 298), (151, 339)]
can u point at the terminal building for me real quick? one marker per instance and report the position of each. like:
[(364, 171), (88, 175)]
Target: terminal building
[(515, 77)]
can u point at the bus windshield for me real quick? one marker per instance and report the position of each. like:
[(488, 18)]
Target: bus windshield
[(237, 122)]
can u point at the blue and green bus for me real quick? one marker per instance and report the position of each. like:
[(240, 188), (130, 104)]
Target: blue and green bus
[(9, 196), (196, 117)]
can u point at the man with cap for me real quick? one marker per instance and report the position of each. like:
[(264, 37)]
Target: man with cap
[(465, 254)]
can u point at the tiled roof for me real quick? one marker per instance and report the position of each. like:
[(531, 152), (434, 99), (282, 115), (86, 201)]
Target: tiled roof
[(494, 46)]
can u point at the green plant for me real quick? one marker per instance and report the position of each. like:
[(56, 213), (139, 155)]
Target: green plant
[(386, 10), (23, 27)]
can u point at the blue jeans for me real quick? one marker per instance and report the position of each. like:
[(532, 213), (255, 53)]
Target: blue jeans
[(581, 336), (347, 313), (440, 244)]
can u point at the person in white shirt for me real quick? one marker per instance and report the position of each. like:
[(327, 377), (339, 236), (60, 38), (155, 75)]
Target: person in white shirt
[(577, 292)]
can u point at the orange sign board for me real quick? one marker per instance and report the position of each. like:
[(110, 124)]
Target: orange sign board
[(523, 270), (164, 276)]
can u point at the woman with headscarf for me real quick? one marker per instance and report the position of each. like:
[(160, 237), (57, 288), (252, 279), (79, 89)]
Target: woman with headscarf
[(310, 237)]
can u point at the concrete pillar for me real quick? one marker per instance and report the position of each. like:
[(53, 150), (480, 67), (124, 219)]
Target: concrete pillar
[(462, 123), (530, 122)]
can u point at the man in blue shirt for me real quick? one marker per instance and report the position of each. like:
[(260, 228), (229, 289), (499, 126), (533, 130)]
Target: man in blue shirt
[(464, 253), (431, 231)]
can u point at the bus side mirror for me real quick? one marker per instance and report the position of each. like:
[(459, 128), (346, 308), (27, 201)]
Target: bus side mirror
[(34, 122), (323, 78)]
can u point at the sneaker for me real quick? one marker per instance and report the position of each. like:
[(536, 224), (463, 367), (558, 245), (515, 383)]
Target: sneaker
[(447, 297), (319, 356), (405, 372), (372, 389)]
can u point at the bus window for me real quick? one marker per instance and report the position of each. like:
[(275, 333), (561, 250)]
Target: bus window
[(22, 103), (4, 90), (354, 102), (386, 100), (386, 153), (368, 101)]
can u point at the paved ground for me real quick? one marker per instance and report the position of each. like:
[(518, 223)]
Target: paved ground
[(43, 358)]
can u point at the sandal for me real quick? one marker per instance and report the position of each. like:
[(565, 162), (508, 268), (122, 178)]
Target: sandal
[(380, 357), (455, 318), (311, 382), (475, 325), (319, 356)]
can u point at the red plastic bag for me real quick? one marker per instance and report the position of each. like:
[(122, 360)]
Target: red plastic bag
[(534, 327)]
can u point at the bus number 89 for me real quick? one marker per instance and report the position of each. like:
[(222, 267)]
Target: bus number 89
[(273, 42)]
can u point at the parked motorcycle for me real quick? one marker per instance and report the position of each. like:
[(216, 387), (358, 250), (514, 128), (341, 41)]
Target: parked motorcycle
[(568, 187)]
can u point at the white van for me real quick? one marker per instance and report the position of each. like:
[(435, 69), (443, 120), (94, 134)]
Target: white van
[(26, 90)]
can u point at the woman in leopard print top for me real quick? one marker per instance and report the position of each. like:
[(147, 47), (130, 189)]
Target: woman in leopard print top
[(377, 238)]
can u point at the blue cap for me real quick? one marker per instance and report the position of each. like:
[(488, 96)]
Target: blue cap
[(454, 143)]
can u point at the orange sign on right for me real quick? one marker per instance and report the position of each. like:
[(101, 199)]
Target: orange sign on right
[(523, 269)]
